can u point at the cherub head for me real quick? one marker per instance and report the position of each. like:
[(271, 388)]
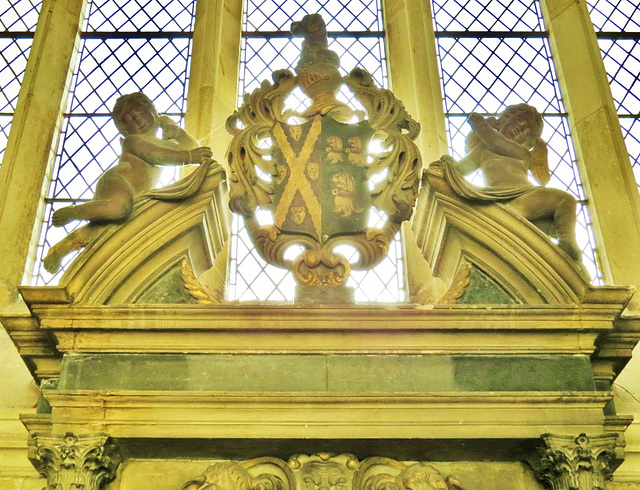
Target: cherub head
[(134, 114), (520, 123)]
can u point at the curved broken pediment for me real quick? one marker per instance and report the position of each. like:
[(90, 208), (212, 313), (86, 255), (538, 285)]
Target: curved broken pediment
[(517, 261), (137, 261)]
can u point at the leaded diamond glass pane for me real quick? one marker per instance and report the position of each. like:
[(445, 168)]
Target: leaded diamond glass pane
[(13, 61), (19, 15), (621, 56), (5, 126), (140, 15), (88, 147), (622, 62), (340, 15), (15, 16), (114, 67), (487, 74), (631, 132), (615, 15), (487, 15)]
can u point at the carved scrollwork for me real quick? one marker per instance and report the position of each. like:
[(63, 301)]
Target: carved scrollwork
[(314, 175), (322, 471), (75, 461), (250, 125), (397, 193)]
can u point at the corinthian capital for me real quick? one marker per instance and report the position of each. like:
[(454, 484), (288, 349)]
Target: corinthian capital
[(75, 461), (576, 463)]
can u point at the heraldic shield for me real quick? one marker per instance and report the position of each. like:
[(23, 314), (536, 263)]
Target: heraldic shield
[(313, 169), (321, 186)]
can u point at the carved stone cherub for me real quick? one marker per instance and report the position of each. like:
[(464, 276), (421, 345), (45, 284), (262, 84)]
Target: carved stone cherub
[(506, 149), (135, 174), (139, 166)]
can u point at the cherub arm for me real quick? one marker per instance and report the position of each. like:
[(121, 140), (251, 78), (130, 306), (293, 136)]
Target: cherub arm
[(171, 131), (471, 161), (157, 154), (495, 141)]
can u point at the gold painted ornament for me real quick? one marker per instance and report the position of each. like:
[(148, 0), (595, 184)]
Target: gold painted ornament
[(313, 169)]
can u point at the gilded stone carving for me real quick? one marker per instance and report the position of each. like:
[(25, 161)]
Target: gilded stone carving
[(322, 471), (195, 289), (459, 285), (506, 150), (315, 176), (233, 475), (75, 461), (136, 173), (568, 463)]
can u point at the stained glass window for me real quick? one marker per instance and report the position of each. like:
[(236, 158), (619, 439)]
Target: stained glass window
[(355, 32), (127, 46), (18, 19), (618, 30), (494, 54)]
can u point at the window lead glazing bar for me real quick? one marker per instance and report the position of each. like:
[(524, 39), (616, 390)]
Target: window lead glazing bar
[(136, 35), (331, 34), (492, 34), (618, 35)]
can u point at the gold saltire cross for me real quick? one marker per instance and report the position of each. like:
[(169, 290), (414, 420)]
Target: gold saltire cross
[(297, 179)]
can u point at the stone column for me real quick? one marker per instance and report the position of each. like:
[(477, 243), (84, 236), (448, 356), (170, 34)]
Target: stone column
[(612, 192), (576, 463), (30, 149), (70, 462), (213, 79), (414, 72)]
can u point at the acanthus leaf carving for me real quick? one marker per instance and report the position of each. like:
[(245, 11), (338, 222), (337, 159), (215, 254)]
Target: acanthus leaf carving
[(75, 461), (573, 463)]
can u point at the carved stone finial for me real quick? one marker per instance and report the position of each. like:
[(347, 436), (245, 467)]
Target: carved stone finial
[(70, 461), (575, 463)]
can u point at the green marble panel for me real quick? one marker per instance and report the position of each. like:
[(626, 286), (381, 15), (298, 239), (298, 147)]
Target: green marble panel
[(333, 373)]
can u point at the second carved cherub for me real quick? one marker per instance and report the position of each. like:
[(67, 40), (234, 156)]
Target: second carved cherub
[(506, 149)]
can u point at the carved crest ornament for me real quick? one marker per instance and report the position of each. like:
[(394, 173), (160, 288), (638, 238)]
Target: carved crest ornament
[(322, 471), (312, 169)]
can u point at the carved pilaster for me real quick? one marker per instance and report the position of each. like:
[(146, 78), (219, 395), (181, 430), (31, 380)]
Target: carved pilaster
[(71, 461), (576, 463)]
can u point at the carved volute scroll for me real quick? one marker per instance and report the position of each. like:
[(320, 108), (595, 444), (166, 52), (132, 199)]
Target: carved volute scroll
[(322, 471), (314, 178), (74, 461), (576, 463)]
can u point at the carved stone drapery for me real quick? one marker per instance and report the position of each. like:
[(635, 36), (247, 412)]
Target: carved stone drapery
[(322, 471), (75, 461), (576, 463)]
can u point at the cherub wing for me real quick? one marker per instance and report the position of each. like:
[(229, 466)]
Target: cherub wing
[(539, 164)]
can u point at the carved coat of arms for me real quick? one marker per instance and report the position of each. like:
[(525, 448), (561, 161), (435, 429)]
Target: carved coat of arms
[(313, 169)]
